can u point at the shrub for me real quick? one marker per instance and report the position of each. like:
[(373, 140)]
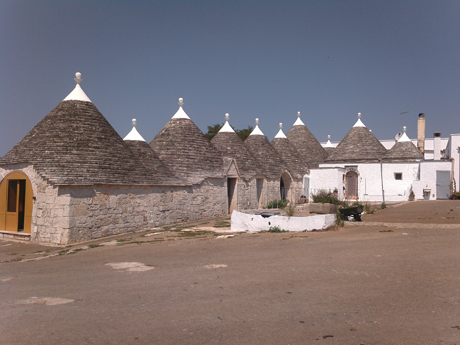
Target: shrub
[(357, 204), (383, 205), (290, 210), (277, 204), (339, 220), (369, 209), (275, 228), (323, 197)]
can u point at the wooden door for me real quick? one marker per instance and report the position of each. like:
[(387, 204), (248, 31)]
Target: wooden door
[(16, 203), (352, 185)]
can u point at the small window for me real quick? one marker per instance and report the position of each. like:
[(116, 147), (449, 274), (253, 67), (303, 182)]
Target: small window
[(398, 176)]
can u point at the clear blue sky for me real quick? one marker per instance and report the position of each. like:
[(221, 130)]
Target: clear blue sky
[(266, 59)]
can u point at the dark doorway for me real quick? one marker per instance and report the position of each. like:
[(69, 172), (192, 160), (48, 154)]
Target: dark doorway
[(231, 193)]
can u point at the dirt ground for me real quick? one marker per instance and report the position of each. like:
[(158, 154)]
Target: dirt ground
[(427, 212), (186, 284)]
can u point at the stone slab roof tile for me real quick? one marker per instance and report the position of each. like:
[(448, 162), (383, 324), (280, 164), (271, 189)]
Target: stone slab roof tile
[(289, 154), (359, 145), (184, 149), (403, 151), (230, 145), (150, 160), (306, 145), (266, 156), (75, 145)]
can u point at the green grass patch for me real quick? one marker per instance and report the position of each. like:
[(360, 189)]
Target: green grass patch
[(124, 239), (223, 224), (194, 233), (175, 228), (94, 245)]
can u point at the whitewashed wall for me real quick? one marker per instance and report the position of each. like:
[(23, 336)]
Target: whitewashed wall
[(370, 180), (428, 177), (327, 179), (453, 151)]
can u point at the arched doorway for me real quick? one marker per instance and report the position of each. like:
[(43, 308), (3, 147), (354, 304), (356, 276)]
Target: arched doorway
[(16, 203), (352, 185), (285, 185)]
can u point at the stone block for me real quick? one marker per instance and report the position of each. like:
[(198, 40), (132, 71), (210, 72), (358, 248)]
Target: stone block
[(323, 208), (78, 211), (63, 200)]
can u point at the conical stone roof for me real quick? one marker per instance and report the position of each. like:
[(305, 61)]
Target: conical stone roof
[(359, 145), (329, 147), (230, 145), (184, 149), (306, 144), (403, 150), (289, 155), (265, 154), (75, 145), (144, 153)]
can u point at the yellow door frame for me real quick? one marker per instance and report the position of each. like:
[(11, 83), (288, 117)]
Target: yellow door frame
[(9, 220)]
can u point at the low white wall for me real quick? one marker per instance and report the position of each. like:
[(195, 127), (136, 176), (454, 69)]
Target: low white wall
[(252, 222)]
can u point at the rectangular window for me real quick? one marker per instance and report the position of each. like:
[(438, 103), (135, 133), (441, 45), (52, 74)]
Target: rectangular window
[(12, 195), (398, 176)]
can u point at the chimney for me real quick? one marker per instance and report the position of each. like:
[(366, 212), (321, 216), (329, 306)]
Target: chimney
[(421, 132), (437, 146)]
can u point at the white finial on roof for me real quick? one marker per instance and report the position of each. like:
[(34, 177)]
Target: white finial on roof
[(298, 122), (359, 123), (180, 114), (328, 144), (78, 78), (77, 94), (226, 127), (404, 137), (328, 137), (257, 130), (280, 133), (134, 134)]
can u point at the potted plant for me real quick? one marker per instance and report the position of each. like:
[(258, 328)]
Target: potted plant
[(411, 194)]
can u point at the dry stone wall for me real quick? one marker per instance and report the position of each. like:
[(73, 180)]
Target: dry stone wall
[(69, 214), (100, 211), (247, 193)]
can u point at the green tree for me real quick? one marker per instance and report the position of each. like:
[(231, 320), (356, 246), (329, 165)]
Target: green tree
[(212, 131), (244, 133)]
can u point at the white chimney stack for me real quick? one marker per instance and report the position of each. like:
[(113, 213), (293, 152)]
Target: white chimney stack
[(437, 146)]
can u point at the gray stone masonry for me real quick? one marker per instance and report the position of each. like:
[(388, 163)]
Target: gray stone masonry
[(69, 214)]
